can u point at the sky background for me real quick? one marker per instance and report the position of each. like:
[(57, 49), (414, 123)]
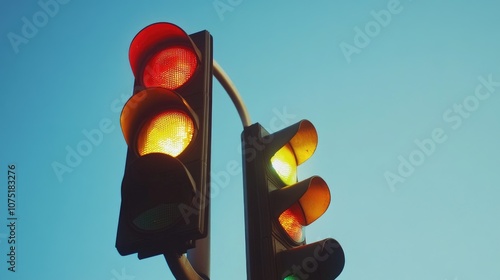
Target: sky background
[(407, 110)]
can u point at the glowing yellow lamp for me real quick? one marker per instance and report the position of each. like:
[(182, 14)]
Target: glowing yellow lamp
[(285, 165), (169, 132)]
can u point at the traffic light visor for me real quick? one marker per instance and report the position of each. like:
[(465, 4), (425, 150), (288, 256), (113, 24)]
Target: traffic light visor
[(155, 186), (157, 35), (157, 120), (301, 137), (328, 256), (312, 196)]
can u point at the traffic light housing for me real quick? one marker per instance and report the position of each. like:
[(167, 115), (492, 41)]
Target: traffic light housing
[(167, 127), (278, 207)]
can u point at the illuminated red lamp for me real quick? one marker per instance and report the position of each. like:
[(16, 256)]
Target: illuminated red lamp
[(163, 55), (311, 199), (292, 220)]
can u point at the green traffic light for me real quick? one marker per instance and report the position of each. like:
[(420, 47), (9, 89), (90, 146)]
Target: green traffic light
[(160, 217), (291, 277)]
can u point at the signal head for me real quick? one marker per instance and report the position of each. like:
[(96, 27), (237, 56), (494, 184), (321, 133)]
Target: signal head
[(163, 123)]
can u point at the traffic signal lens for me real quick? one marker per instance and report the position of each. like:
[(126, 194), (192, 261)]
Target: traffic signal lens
[(285, 165), (169, 133), (291, 277), (292, 221), (158, 218), (170, 68)]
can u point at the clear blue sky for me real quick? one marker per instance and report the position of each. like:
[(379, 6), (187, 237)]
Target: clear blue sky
[(405, 96)]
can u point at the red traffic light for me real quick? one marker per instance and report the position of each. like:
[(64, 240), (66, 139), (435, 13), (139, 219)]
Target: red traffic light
[(163, 55), (300, 205), (170, 68), (292, 220)]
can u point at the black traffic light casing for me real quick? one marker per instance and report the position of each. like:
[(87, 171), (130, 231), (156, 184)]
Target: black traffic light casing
[(165, 205), (272, 253)]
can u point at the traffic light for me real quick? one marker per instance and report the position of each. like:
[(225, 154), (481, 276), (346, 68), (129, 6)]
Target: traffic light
[(167, 127), (278, 207)]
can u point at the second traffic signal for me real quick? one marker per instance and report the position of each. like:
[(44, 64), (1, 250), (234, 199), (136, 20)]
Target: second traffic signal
[(278, 207)]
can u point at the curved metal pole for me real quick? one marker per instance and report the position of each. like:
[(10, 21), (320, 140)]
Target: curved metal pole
[(233, 93), (181, 268)]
